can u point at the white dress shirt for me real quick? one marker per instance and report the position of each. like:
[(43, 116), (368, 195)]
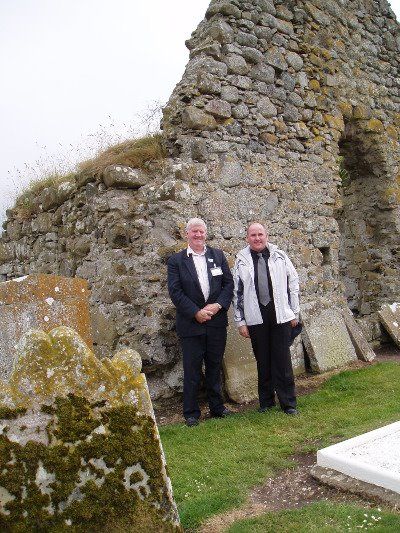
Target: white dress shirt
[(200, 262)]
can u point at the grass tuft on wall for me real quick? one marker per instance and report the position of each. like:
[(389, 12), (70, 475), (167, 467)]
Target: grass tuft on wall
[(136, 153)]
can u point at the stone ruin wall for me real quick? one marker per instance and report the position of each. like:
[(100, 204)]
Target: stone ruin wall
[(274, 96)]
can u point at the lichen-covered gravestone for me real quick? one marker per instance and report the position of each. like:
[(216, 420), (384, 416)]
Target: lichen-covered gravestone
[(79, 446), (40, 301)]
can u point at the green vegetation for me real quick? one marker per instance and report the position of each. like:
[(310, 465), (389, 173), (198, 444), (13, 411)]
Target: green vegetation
[(214, 465), (321, 517)]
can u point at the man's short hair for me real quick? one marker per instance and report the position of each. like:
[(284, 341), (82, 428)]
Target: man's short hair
[(195, 222), (257, 222)]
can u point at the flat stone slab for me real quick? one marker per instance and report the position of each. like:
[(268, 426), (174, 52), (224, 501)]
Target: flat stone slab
[(326, 339), (360, 343), (372, 457), (240, 368), (390, 318), (340, 481)]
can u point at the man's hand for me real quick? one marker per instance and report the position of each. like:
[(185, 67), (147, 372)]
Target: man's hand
[(203, 315), (212, 308), (294, 322), (244, 332)]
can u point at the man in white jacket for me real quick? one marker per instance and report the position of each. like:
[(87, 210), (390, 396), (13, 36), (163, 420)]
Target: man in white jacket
[(266, 306)]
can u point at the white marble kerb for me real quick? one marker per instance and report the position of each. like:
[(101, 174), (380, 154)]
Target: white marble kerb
[(373, 457)]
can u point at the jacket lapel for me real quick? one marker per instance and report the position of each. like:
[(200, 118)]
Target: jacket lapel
[(210, 264), (249, 260), (188, 261)]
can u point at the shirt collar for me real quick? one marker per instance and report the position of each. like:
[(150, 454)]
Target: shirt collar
[(189, 251), (264, 252)]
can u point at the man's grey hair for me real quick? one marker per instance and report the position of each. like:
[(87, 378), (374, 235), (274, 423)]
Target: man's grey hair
[(195, 222)]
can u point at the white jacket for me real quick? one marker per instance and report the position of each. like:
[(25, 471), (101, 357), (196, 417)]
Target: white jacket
[(285, 286)]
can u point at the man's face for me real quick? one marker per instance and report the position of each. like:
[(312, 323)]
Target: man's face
[(257, 237), (196, 237)]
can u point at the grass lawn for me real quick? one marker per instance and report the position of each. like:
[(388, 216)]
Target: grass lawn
[(214, 465), (321, 517)]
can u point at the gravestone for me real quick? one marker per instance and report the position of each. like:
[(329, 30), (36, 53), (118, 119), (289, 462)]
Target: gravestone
[(240, 368), (361, 346), (40, 301), (80, 445), (390, 318), (372, 458), (325, 338)]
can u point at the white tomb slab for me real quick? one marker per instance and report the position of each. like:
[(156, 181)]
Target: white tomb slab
[(373, 457)]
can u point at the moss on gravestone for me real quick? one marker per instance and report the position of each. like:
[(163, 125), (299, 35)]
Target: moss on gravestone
[(102, 471)]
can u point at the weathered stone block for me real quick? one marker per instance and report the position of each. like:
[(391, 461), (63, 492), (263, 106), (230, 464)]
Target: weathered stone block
[(240, 111), (225, 8), (374, 126), (236, 64), (274, 58), (208, 84), (221, 31), (294, 60), (390, 318), (122, 176), (219, 108), (252, 55), (266, 107), (49, 199), (230, 94), (231, 174), (196, 119)]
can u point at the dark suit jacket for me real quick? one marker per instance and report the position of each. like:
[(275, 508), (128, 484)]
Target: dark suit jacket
[(184, 289)]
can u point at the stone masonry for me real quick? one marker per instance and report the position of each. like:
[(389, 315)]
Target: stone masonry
[(289, 113)]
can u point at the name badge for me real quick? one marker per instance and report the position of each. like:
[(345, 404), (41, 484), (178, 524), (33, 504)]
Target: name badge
[(216, 271)]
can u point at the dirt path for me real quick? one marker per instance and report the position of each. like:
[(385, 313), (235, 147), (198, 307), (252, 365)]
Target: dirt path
[(291, 489)]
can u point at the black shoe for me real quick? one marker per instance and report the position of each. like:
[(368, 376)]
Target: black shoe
[(265, 409), (223, 414), (192, 421), (291, 411)]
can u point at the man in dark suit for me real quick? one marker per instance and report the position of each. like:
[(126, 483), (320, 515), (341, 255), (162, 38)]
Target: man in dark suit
[(200, 284)]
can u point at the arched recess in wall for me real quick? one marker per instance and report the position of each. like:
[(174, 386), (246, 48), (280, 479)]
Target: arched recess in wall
[(368, 220)]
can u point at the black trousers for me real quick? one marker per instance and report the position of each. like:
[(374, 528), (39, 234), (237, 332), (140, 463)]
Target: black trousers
[(270, 343), (209, 348)]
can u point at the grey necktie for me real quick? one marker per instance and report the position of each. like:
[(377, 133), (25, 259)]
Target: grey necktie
[(263, 289)]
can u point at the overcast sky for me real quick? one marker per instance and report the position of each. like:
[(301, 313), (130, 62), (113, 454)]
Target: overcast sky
[(76, 73)]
